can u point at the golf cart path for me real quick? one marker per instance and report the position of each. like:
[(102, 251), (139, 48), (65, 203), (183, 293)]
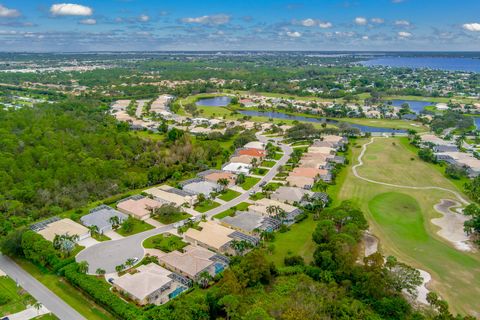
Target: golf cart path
[(360, 163)]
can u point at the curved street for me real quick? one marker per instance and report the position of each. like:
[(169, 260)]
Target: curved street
[(109, 254)]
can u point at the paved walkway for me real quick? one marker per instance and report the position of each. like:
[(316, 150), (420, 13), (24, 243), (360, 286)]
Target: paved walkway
[(113, 235), (28, 314), (360, 163), (109, 254), (41, 293), (88, 242)]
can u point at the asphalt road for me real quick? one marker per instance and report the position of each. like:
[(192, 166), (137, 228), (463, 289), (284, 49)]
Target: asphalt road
[(41, 293), (109, 254)]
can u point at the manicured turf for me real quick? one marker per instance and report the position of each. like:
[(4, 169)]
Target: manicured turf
[(172, 218), (249, 182), (165, 243), (67, 293), (100, 237), (229, 194), (296, 241), (138, 226), (278, 156), (267, 163), (16, 301), (239, 207), (206, 206), (400, 218), (257, 196), (46, 317), (259, 171)]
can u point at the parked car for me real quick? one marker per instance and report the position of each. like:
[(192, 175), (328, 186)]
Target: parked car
[(135, 259), (111, 280)]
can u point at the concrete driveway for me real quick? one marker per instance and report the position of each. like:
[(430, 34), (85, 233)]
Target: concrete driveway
[(109, 254)]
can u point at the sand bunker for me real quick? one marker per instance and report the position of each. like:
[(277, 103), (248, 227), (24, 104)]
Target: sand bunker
[(422, 289), (451, 224)]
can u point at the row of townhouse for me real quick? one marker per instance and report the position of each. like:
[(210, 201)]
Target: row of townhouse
[(447, 151), (317, 163)]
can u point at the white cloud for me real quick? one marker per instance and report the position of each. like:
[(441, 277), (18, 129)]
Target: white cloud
[(404, 35), (308, 22), (314, 23), (377, 20), (361, 21), (70, 9), (402, 23), (397, 1), (325, 25), (475, 26), (88, 21), (213, 20), (143, 18), (365, 38), (294, 34), (8, 13)]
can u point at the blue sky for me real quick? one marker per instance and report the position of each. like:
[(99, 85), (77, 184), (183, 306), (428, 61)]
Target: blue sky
[(27, 25)]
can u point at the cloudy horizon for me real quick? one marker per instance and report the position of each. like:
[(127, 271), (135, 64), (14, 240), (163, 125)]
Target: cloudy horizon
[(325, 25)]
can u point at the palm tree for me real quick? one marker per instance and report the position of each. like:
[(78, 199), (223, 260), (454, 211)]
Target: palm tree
[(120, 267), (129, 262), (223, 182), (83, 267), (115, 222), (240, 246), (37, 305), (93, 230), (204, 279), (100, 271)]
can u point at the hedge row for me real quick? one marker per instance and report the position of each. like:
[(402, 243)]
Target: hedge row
[(100, 293)]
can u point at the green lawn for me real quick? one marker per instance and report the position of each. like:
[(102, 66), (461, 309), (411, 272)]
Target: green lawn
[(206, 206), (138, 226), (249, 182), (16, 299), (400, 218), (296, 241), (172, 218), (239, 207), (100, 237), (165, 243), (46, 317), (273, 185), (73, 297), (257, 196), (259, 171), (267, 163), (278, 156), (229, 194)]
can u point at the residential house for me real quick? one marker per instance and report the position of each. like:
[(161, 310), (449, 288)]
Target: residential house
[(237, 167), (149, 284), (192, 261), (248, 222), (63, 227), (138, 207), (301, 182), (167, 194), (101, 217)]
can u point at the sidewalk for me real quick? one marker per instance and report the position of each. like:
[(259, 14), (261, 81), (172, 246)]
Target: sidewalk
[(28, 314)]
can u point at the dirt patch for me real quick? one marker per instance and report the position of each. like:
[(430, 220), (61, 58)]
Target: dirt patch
[(370, 243), (451, 224)]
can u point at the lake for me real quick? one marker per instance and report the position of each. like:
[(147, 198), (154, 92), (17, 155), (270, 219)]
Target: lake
[(415, 105), (214, 102), (477, 122), (280, 115), (438, 63)]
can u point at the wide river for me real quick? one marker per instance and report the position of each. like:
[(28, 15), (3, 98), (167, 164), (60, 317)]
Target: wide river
[(438, 63)]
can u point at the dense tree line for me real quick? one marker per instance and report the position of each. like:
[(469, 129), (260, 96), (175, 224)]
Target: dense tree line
[(56, 157)]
